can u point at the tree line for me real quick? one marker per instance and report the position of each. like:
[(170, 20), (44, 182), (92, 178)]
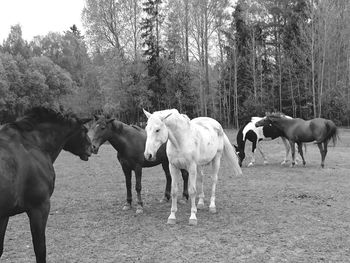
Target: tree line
[(229, 61)]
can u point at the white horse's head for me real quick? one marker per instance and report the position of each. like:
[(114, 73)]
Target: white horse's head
[(157, 134)]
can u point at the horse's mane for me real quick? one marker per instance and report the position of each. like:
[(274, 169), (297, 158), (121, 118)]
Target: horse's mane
[(276, 114), (37, 115)]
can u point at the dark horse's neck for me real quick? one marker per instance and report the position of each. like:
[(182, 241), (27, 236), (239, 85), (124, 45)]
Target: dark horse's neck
[(282, 124), (118, 138), (49, 138)]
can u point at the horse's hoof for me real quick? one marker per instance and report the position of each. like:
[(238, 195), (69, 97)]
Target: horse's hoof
[(266, 162), (200, 206), (322, 165), (250, 164), (171, 221), (212, 210), (192, 222), (126, 207), (283, 162), (292, 165), (139, 210)]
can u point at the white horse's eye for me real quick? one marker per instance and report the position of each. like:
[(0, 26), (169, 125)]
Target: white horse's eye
[(157, 130)]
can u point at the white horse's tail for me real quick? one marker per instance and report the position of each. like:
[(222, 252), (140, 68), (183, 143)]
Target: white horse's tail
[(231, 156)]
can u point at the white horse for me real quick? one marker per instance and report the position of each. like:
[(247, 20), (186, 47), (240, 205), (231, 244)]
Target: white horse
[(191, 144)]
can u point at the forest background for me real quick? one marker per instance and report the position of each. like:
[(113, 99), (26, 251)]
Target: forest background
[(229, 61)]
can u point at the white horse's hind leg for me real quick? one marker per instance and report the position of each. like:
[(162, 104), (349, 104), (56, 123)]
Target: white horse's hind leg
[(216, 166), (192, 173), (200, 204), (175, 173)]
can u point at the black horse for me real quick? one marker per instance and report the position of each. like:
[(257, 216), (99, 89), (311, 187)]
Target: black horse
[(28, 148), (298, 131), (129, 141)]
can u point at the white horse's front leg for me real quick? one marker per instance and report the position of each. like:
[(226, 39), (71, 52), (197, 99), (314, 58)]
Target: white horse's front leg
[(175, 173), (192, 173), (200, 204)]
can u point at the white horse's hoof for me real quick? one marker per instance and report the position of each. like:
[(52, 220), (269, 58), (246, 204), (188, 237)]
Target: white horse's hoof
[(126, 207), (212, 210), (200, 206), (250, 164), (171, 221), (192, 222), (283, 163), (266, 162)]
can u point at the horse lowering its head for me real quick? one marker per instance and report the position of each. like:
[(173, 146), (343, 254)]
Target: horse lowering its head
[(190, 145), (129, 141), (28, 148), (256, 134), (297, 130)]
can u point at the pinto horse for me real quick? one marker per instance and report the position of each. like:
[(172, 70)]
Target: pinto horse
[(129, 141), (191, 144), (256, 134), (297, 130), (28, 149)]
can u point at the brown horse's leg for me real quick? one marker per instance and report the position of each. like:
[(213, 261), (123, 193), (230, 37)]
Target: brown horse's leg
[(325, 150), (166, 197), (38, 218), (292, 147), (3, 225), (322, 153), (185, 179), (138, 188), (300, 149), (127, 173)]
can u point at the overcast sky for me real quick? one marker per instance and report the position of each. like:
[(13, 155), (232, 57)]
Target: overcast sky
[(38, 17)]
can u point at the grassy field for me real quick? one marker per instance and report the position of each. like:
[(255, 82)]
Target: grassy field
[(270, 214)]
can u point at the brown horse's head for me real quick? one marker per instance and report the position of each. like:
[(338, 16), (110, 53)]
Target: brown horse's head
[(101, 131)]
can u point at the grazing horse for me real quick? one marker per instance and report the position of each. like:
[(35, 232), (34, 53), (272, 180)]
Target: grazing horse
[(129, 141), (191, 144), (297, 130), (255, 135), (28, 148)]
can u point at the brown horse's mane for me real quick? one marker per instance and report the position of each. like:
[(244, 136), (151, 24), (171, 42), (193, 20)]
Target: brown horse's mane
[(275, 114), (38, 115)]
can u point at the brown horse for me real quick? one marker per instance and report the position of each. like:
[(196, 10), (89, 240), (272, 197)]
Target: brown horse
[(297, 130), (28, 148), (129, 141)]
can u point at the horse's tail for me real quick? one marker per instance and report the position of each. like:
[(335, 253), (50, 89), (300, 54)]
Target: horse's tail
[(231, 156), (332, 132)]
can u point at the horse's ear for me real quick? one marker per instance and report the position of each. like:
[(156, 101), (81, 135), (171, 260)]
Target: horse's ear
[(147, 113), (85, 120), (166, 116), (95, 117), (116, 125), (109, 120)]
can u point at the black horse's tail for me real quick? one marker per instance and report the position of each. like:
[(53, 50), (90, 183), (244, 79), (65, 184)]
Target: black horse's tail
[(332, 132)]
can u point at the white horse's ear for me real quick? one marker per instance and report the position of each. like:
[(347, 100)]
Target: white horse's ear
[(147, 113), (166, 116)]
